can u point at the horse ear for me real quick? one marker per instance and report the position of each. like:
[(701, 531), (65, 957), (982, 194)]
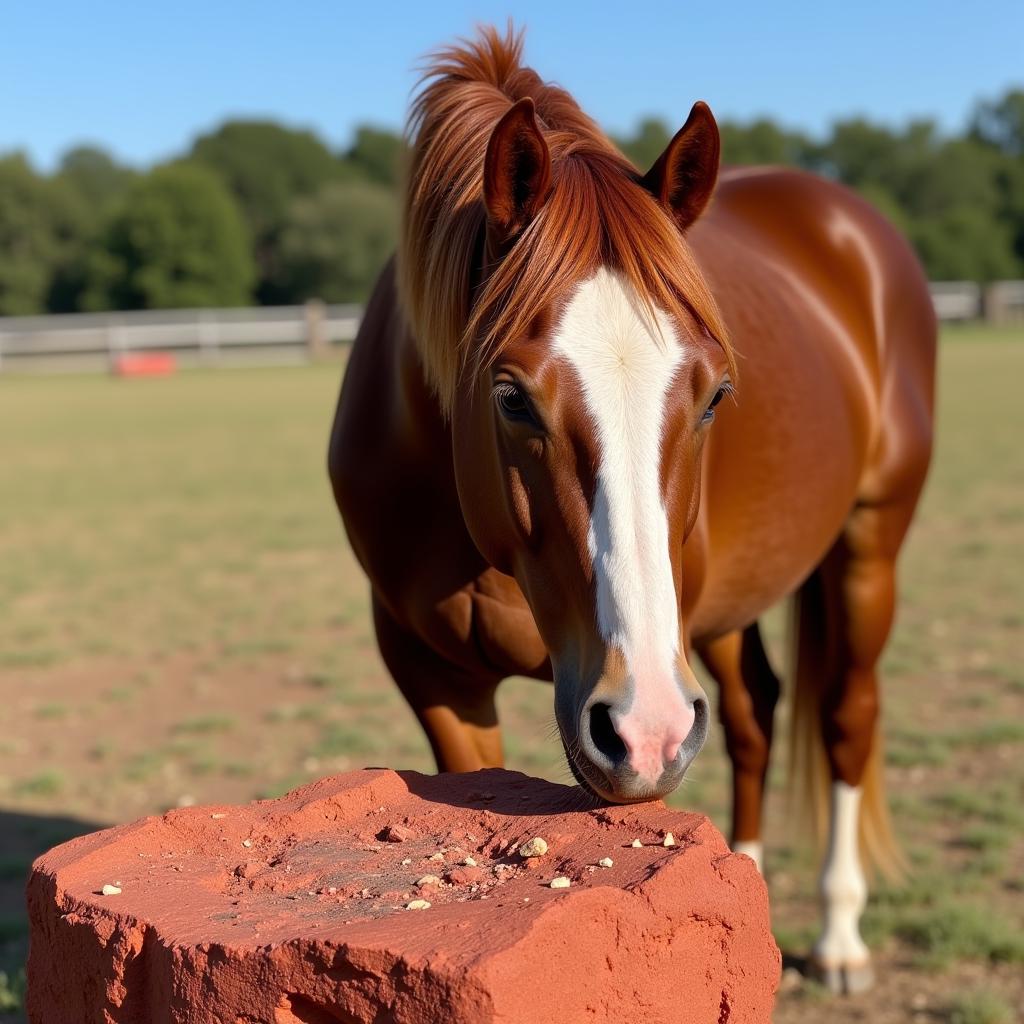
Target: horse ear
[(517, 172), (684, 176)]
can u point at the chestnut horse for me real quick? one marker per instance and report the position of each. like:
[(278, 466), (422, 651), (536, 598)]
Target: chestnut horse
[(543, 470)]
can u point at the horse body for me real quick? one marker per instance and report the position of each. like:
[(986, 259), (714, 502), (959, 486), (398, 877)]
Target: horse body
[(485, 537), (816, 288), (783, 469)]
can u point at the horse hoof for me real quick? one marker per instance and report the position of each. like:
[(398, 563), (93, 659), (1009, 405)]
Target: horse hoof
[(842, 979)]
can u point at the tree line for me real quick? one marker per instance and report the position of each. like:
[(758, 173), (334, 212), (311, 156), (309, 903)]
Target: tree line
[(257, 212)]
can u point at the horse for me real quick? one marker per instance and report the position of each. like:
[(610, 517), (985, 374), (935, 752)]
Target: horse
[(595, 422)]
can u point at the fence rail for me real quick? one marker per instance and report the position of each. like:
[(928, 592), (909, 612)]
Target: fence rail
[(1001, 302), (956, 300), (260, 334), (293, 334)]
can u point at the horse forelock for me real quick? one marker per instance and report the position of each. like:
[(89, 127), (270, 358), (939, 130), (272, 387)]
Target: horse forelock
[(596, 215)]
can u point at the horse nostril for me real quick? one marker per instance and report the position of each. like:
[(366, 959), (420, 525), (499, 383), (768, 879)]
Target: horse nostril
[(604, 736)]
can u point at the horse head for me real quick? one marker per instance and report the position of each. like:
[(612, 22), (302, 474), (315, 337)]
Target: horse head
[(578, 430)]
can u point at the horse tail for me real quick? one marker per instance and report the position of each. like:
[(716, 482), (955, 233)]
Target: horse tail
[(814, 664), (808, 768), (879, 848)]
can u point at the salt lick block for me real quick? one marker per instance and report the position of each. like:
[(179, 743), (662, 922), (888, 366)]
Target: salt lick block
[(293, 911)]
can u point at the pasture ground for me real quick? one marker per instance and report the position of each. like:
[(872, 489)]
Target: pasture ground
[(181, 621)]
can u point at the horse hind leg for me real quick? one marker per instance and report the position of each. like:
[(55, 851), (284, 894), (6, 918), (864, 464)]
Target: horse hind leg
[(856, 588), (749, 691)]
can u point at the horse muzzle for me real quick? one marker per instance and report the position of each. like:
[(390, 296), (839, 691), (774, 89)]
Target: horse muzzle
[(624, 759)]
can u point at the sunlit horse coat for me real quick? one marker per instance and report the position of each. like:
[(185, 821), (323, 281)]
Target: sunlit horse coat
[(543, 470)]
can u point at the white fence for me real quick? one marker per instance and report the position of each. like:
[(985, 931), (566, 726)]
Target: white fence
[(956, 300), (1001, 302), (293, 334), (1004, 302), (196, 337)]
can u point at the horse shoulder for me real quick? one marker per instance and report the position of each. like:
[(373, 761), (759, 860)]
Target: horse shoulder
[(390, 466)]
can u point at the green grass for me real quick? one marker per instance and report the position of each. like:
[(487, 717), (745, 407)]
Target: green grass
[(284, 714), (996, 803), (908, 748), (143, 766), (980, 1007), (120, 695), (981, 334), (47, 783), (51, 711), (204, 725), (949, 931), (12, 990), (984, 838), (152, 516), (794, 940)]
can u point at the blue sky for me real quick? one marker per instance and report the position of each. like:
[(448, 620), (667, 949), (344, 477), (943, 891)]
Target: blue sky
[(143, 79)]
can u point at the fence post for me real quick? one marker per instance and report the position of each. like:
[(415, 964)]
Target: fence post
[(208, 338), (316, 329), (115, 343), (1004, 302)]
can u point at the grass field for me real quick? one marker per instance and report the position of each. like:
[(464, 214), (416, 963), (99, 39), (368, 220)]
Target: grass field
[(181, 621)]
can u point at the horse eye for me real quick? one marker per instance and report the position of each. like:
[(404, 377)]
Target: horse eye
[(512, 402), (709, 413)]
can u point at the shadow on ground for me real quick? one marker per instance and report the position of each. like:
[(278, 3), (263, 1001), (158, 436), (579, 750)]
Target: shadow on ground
[(23, 837)]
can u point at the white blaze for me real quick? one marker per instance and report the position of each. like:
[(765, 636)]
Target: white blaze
[(625, 370)]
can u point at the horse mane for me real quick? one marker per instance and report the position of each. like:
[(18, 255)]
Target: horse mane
[(597, 214)]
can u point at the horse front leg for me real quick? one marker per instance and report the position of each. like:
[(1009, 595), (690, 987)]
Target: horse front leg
[(748, 693), (455, 707)]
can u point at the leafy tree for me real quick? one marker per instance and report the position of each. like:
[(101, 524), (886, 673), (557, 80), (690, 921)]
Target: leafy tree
[(266, 166), (1001, 123), (178, 240), (858, 152), (954, 198), (764, 142), (378, 155), (954, 173), (334, 244), (94, 174), (965, 244), (89, 184), (886, 204), (39, 222), (26, 240), (1010, 178), (304, 221), (644, 147)]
